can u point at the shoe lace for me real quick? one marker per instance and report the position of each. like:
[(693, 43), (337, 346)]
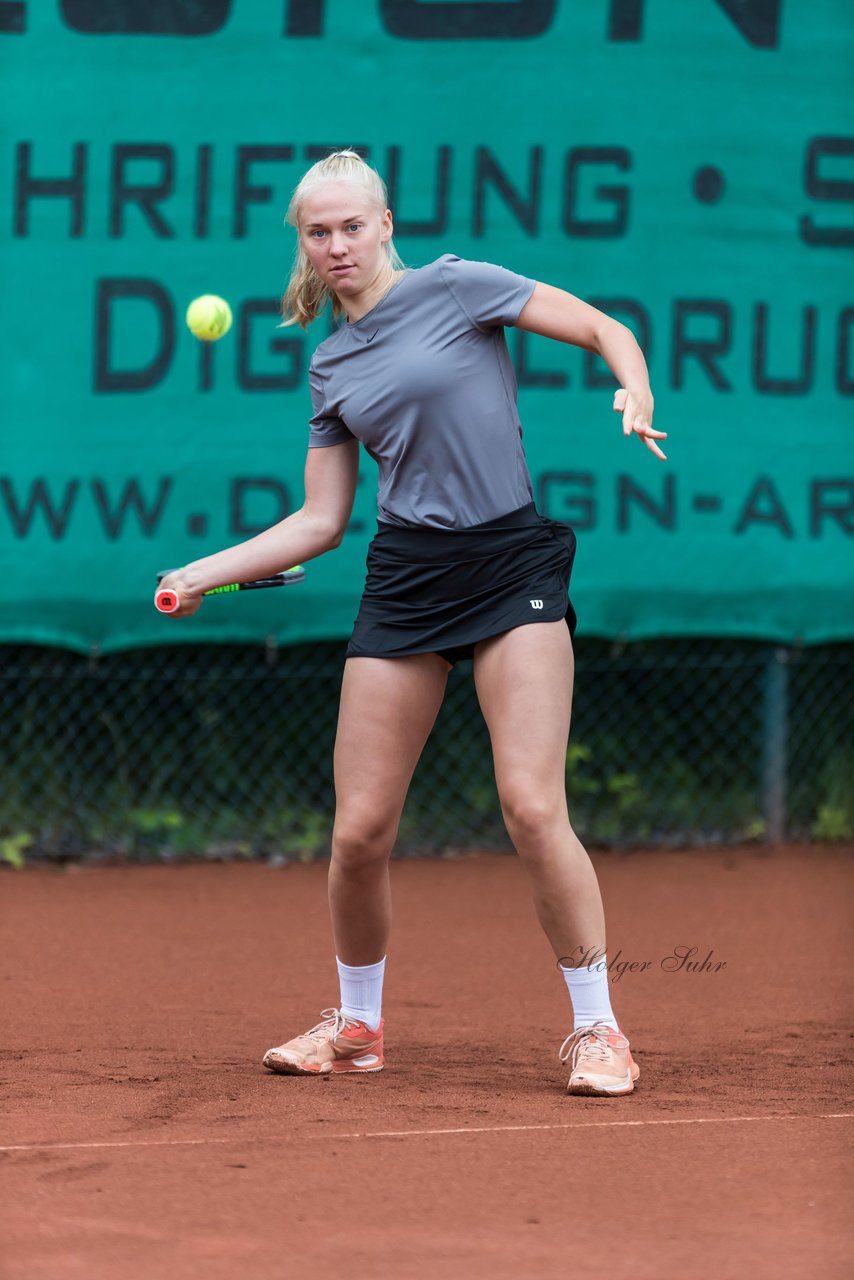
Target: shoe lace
[(593, 1041), (332, 1021)]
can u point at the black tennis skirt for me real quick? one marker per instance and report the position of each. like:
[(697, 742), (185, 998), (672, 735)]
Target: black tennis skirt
[(442, 590)]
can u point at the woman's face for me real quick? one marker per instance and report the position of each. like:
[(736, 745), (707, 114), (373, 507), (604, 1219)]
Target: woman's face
[(343, 234)]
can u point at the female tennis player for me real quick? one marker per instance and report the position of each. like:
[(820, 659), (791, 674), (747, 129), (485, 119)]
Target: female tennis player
[(461, 565)]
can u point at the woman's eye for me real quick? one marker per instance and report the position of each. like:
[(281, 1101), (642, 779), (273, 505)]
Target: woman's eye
[(355, 226), (317, 234)]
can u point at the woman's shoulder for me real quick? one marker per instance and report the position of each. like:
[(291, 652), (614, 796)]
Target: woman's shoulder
[(452, 271), (430, 272), (450, 262)]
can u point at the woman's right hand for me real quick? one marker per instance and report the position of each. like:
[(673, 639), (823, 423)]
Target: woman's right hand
[(189, 602)]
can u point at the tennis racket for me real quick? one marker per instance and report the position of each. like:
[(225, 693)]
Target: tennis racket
[(167, 601)]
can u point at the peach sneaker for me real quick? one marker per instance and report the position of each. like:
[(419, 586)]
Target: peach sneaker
[(336, 1045), (600, 1061)]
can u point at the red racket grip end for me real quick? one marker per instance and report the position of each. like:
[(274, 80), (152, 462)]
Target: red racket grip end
[(166, 601)]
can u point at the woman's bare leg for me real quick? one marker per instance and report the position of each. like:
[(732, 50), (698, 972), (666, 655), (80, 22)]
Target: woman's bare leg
[(524, 683), (388, 707)]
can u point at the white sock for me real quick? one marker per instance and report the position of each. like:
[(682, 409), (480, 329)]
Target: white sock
[(588, 991), (362, 991)]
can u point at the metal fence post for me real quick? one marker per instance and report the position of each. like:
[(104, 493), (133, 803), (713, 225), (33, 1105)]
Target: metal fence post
[(775, 717)]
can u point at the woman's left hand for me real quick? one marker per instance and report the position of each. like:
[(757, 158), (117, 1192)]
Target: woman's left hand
[(637, 417)]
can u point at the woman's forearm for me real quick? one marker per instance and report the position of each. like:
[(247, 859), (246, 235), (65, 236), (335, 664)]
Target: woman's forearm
[(294, 540)]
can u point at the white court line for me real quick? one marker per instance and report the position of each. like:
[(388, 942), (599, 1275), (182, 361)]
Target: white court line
[(423, 1133)]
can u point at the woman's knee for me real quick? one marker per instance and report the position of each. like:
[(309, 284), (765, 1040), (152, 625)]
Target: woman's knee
[(360, 841), (533, 816)]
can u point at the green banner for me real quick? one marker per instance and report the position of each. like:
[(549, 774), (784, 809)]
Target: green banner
[(689, 168)]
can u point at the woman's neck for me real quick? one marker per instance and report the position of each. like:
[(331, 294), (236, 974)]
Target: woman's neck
[(361, 304)]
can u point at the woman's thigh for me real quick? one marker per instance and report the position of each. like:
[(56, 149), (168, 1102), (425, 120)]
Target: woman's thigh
[(524, 685), (388, 707)]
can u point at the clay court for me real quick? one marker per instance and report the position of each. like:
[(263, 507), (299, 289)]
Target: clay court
[(143, 1139)]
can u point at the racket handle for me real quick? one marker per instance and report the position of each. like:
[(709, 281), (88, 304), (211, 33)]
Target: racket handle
[(166, 601)]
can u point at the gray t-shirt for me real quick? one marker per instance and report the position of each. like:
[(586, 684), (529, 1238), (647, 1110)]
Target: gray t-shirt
[(425, 381)]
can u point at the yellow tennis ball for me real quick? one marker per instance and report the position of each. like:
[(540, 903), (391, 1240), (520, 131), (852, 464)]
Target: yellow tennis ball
[(209, 317)]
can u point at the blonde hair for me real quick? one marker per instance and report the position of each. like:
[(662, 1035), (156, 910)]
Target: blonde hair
[(306, 294)]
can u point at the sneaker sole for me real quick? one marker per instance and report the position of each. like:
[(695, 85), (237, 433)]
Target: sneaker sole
[(345, 1067), (591, 1089)]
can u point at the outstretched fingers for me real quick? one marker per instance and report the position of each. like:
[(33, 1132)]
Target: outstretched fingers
[(649, 438), (637, 419)]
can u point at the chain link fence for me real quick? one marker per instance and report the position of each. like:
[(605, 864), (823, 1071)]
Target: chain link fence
[(226, 752)]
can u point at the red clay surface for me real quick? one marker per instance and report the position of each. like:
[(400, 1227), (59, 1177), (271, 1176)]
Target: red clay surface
[(143, 1139)]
